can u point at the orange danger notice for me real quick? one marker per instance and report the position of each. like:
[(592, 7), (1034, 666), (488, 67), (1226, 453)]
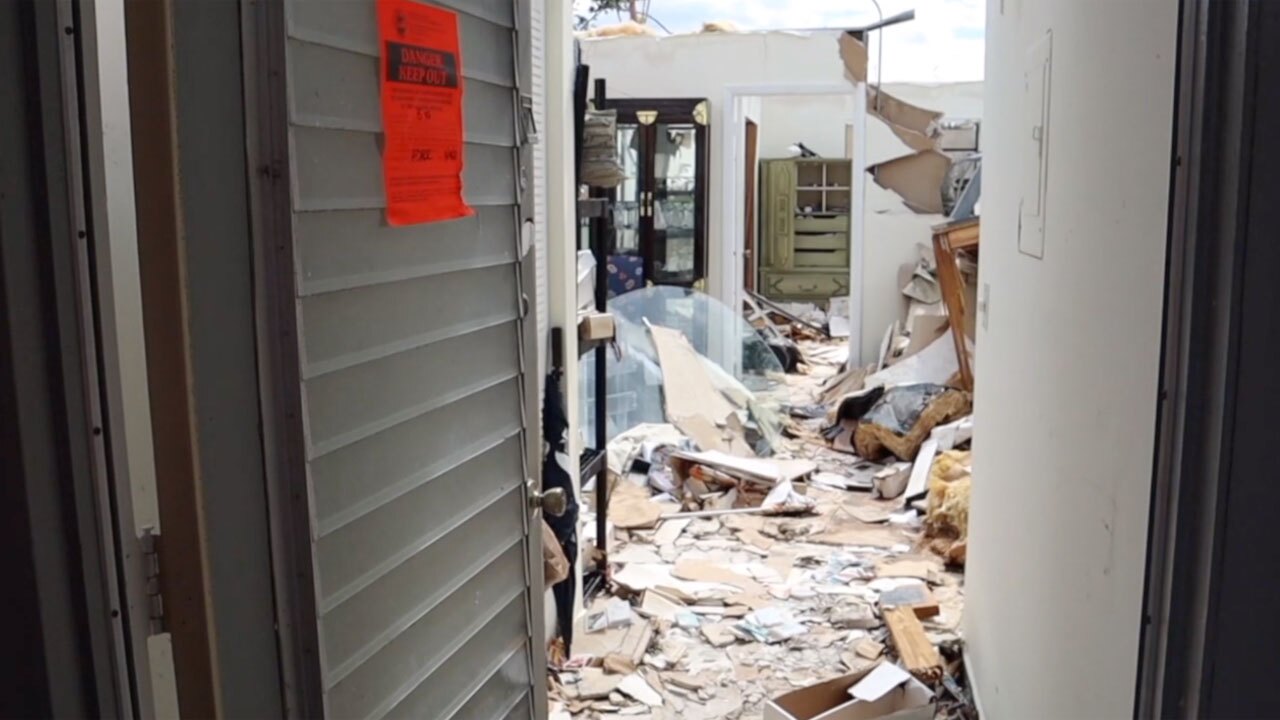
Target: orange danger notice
[(421, 71)]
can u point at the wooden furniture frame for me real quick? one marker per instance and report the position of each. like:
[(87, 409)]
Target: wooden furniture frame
[(948, 239)]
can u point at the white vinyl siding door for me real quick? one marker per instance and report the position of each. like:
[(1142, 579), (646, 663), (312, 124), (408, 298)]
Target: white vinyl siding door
[(413, 388)]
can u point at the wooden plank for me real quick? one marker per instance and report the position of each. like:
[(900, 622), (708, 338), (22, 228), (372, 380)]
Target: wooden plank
[(917, 654), (946, 240), (917, 598)]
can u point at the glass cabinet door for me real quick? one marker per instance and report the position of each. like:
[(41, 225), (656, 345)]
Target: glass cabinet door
[(628, 205), (660, 210), (675, 206)]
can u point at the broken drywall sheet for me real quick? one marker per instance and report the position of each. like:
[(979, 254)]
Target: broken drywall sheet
[(935, 364), (769, 470), (853, 53), (692, 402), (885, 143), (917, 178), (902, 114)]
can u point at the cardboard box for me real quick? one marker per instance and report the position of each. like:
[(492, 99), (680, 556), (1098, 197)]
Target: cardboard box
[(831, 701)]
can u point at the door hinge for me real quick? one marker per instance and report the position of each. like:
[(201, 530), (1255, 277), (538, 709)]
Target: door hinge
[(151, 559), (528, 121)]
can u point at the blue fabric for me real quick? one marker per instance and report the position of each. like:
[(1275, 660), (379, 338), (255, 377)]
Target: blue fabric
[(626, 273)]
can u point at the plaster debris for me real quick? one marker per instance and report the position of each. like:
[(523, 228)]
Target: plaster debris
[(747, 577)]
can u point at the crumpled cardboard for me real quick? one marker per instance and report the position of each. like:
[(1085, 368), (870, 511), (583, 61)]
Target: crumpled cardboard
[(908, 699), (555, 566)]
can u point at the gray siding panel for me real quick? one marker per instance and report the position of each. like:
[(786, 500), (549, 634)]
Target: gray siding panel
[(358, 478), (468, 670), (355, 555), (360, 401), (520, 711), (412, 385), (424, 646), (362, 324), (487, 51), (332, 91), (362, 625), (334, 247), (342, 170), (503, 693)]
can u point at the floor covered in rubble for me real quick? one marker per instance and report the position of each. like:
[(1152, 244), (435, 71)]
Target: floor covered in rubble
[(711, 616)]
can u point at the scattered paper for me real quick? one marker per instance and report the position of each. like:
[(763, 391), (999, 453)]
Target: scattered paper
[(770, 625), (920, 569), (656, 605), (616, 614), (669, 531), (645, 576), (637, 687), (688, 620), (700, 570), (879, 682), (718, 634), (783, 497)]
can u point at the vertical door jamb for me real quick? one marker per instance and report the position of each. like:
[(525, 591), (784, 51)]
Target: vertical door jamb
[(527, 337), (289, 499)]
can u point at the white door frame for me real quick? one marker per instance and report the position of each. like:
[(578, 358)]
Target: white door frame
[(730, 124)]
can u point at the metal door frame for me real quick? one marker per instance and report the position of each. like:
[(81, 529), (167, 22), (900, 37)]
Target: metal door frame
[(1202, 346), (530, 332), (61, 529), (98, 137), (279, 375)]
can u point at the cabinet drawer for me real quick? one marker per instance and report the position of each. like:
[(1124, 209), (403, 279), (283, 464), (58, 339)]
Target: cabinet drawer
[(826, 259), (805, 285), (804, 223), (826, 241)]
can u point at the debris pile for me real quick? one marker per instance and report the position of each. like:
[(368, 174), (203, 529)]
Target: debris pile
[(741, 574)]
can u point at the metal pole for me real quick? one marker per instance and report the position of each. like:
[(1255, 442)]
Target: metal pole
[(857, 221), (600, 248)]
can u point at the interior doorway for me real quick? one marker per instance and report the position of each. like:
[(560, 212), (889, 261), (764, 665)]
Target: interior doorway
[(751, 152)]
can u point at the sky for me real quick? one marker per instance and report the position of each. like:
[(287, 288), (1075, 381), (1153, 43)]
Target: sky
[(943, 44)]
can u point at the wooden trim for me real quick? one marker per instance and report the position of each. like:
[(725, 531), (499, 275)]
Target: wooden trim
[(669, 109), (947, 239), (184, 575)]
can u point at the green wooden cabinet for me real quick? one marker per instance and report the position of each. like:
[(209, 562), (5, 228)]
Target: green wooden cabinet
[(804, 205)]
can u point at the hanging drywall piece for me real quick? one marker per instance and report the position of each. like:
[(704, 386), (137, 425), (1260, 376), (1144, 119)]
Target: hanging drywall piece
[(853, 52), (1035, 155), (422, 153)]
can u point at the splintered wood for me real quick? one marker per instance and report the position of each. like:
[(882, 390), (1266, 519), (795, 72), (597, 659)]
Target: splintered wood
[(917, 654)]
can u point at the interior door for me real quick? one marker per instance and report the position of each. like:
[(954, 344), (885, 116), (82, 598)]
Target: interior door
[(417, 387), (749, 173)]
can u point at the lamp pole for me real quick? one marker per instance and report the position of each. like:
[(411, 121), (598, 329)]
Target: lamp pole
[(858, 187)]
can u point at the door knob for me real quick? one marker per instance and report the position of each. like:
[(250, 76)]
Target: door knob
[(553, 502)]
